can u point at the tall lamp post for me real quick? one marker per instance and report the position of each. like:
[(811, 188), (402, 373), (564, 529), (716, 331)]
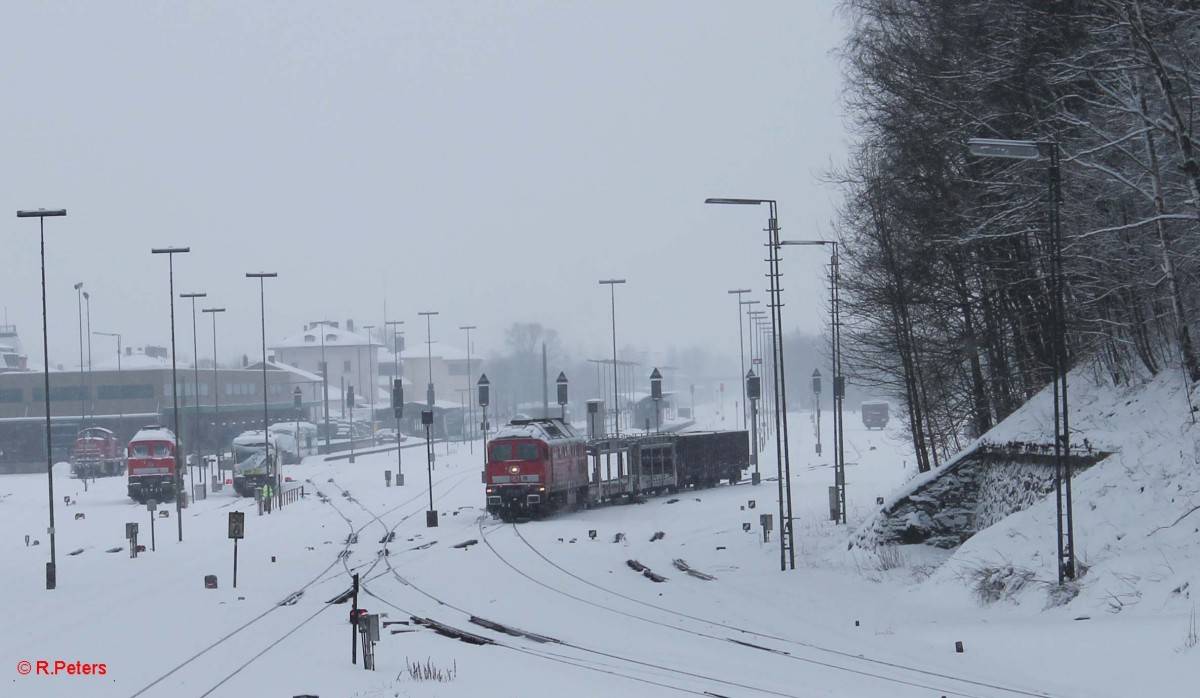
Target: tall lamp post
[(839, 381), (195, 388), (42, 214), (262, 276), (787, 550), (216, 390), (87, 302), (1034, 150), (470, 397), (120, 397), (741, 348), (612, 286), (170, 252), (82, 391)]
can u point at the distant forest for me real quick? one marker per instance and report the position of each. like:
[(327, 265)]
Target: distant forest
[(946, 257)]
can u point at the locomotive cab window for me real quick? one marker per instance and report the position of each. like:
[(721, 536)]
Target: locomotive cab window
[(141, 451), (501, 452), (161, 451), (527, 452)]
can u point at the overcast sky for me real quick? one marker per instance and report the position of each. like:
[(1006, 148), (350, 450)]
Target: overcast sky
[(488, 160)]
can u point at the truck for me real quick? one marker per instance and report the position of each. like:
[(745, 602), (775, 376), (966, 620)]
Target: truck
[(875, 414)]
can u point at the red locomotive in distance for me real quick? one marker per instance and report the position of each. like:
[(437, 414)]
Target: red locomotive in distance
[(97, 454), (152, 465), (535, 466)]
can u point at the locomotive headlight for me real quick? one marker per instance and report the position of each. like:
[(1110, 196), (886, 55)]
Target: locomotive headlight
[(491, 490), (541, 489), (514, 469)]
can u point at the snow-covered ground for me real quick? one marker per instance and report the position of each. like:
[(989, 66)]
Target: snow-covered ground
[(843, 623)]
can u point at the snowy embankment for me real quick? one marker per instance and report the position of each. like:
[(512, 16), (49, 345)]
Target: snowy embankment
[(1136, 513)]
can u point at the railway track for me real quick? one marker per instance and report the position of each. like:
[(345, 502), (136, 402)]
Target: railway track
[(895, 673), (342, 559)]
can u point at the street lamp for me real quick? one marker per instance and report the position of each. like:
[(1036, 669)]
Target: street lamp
[(429, 398), (42, 214), (787, 549), (1033, 150), (196, 388), (612, 286), (741, 348), (839, 381), (216, 389), (120, 396), (82, 393), (87, 302), (170, 252), (262, 276), (470, 397)]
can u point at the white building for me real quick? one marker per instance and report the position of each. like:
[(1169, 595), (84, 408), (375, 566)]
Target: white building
[(350, 356)]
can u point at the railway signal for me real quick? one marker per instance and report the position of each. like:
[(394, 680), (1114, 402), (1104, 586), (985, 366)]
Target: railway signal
[(151, 505), (237, 531), (656, 395), (131, 531), (484, 386), (398, 410), (561, 384), (431, 516), (350, 401), (753, 393)]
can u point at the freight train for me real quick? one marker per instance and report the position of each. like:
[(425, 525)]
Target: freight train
[(152, 465), (537, 466)]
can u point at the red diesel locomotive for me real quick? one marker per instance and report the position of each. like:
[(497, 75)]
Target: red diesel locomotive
[(97, 454), (152, 465), (535, 466)]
